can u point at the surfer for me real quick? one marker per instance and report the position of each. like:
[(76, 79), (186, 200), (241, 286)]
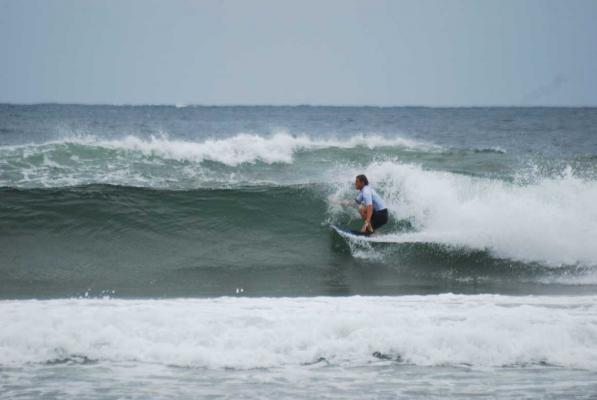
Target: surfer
[(371, 206)]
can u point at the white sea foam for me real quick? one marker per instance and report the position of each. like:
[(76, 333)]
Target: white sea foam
[(234, 150), (552, 220), (482, 330)]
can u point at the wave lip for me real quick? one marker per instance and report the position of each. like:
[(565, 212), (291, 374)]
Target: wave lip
[(241, 333)]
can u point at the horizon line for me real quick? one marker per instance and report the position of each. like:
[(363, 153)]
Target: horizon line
[(295, 105)]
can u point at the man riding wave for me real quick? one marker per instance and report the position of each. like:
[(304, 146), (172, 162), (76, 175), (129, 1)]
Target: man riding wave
[(371, 206)]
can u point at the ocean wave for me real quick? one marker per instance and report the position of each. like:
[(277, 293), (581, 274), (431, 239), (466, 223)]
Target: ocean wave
[(162, 162), (276, 237), (234, 150), (243, 333), (548, 220), (552, 220)]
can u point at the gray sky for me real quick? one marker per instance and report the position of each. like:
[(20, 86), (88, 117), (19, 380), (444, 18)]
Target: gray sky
[(423, 52)]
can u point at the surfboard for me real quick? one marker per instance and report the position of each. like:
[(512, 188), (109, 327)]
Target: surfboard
[(349, 232)]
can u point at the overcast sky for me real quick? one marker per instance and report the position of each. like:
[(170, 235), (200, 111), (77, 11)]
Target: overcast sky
[(344, 52)]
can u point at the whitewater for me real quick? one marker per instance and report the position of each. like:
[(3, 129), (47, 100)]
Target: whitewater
[(244, 333), (292, 344)]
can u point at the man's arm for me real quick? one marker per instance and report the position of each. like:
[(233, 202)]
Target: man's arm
[(369, 213), (367, 224), (368, 200)]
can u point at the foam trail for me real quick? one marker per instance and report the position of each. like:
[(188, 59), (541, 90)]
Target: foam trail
[(553, 220), (483, 330)]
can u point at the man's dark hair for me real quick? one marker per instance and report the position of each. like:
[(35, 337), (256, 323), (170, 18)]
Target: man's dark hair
[(363, 179)]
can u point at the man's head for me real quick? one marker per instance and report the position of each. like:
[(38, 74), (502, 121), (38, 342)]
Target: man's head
[(360, 182)]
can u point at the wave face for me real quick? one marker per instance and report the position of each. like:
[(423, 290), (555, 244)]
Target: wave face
[(204, 201)]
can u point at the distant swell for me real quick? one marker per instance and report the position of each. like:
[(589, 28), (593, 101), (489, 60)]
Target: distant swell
[(234, 150), (164, 162)]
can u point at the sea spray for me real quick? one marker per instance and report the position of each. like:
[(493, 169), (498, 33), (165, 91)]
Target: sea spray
[(551, 220)]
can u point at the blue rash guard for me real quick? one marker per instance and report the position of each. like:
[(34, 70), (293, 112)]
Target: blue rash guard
[(369, 196)]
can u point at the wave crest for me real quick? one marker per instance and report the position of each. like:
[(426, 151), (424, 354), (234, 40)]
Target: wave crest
[(234, 150)]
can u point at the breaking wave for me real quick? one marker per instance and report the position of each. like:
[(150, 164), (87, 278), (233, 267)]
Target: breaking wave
[(243, 333)]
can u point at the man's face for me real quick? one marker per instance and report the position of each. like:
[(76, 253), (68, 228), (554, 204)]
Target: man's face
[(358, 185)]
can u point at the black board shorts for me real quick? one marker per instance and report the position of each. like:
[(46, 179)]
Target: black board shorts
[(379, 218)]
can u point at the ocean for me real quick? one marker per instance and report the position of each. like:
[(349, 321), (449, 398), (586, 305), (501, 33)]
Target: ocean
[(187, 252)]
